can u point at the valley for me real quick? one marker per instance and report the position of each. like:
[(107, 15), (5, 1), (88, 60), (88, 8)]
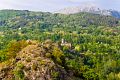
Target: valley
[(54, 46)]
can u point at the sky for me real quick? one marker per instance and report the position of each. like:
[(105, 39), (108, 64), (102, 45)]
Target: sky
[(55, 5)]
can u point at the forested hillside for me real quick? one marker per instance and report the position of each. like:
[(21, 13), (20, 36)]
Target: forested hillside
[(31, 46)]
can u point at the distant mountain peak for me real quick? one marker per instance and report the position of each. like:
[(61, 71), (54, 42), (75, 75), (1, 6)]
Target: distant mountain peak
[(90, 8), (77, 9), (87, 7)]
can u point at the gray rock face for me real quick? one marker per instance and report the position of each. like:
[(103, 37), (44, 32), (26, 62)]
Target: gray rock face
[(90, 9)]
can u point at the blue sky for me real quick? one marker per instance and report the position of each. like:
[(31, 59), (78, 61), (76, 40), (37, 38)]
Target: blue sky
[(54, 5)]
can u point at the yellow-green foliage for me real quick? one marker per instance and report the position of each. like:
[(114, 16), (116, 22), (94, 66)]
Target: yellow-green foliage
[(15, 46), (113, 76), (3, 56), (58, 54), (12, 48), (77, 48)]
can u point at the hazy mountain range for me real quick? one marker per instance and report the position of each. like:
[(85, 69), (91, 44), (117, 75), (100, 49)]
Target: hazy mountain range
[(90, 9)]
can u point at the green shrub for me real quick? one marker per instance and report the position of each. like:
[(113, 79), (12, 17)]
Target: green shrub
[(48, 55), (55, 75), (58, 55), (19, 74)]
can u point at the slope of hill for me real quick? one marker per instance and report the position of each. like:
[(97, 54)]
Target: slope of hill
[(34, 63), (7, 14)]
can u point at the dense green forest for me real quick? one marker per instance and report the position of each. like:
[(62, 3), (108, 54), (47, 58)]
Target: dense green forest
[(34, 38)]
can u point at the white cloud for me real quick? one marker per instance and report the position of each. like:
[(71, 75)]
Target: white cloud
[(53, 5), (79, 0)]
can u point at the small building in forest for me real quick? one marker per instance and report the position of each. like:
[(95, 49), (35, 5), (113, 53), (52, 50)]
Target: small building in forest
[(64, 43)]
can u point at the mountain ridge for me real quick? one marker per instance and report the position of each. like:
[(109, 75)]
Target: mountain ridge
[(90, 9)]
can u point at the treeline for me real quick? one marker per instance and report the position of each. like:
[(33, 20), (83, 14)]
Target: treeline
[(23, 18)]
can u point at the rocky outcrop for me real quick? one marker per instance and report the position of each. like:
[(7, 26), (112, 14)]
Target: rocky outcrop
[(31, 63)]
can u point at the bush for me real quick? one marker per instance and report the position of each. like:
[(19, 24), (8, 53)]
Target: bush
[(58, 55), (3, 56), (19, 74), (14, 47), (55, 75), (48, 55)]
